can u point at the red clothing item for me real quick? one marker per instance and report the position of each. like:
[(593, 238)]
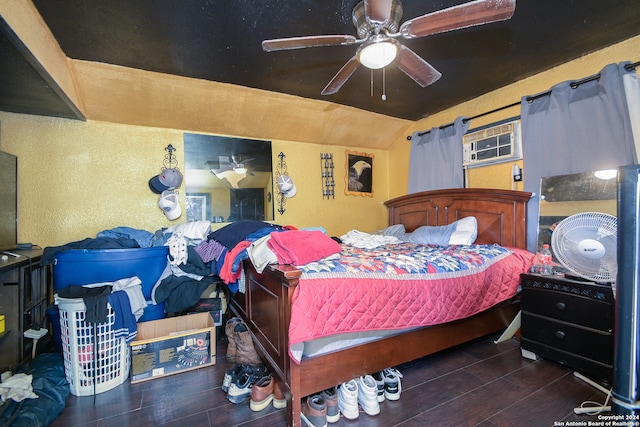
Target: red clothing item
[(226, 273)]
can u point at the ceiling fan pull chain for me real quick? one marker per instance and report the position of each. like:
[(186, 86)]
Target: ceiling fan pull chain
[(371, 82), (384, 84)]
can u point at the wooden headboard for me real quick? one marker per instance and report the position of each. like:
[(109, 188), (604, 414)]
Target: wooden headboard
[(501, 214)]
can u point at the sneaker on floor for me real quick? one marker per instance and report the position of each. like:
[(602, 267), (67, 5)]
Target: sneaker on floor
[(230, 375), (348, 399), (314, 411), (379, 377), (330, 397), (240, 388), (368, 395), (392, 383)]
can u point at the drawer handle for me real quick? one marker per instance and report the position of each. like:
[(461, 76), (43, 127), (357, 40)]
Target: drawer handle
[(561, 306), (560, 335)]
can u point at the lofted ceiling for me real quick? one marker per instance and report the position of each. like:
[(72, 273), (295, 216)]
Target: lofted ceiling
[(220, 40)]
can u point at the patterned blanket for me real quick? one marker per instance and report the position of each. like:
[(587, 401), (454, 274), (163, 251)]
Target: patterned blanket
[(407, 258), (401, 285)]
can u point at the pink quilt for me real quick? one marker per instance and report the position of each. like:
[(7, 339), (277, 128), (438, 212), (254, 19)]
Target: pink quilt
[(400, 286)]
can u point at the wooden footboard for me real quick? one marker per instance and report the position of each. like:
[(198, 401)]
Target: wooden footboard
[(266, 309)]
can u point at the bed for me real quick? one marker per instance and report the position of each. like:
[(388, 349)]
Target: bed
[(266, 304)]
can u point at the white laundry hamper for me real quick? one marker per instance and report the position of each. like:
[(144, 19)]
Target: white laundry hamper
[(95, 360)]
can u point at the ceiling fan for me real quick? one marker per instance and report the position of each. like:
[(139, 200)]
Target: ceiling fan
[(377, 21), (231, 164), (231, 169)]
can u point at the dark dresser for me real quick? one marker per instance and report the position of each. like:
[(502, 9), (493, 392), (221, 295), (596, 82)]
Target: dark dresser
[(24, 297), (570, 322)]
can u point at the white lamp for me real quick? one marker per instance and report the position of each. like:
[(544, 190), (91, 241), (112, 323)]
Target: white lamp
[(379, 52)]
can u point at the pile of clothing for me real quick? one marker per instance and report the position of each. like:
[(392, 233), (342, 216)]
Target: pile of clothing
[(125, 298), (200, 260), (224, 250), (35, 393)]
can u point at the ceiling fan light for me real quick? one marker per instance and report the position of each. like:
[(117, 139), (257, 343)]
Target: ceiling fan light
[(240, 169), (378, 54)]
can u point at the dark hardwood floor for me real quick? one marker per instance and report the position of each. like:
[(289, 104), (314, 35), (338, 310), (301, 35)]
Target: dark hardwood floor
[(477, 384)]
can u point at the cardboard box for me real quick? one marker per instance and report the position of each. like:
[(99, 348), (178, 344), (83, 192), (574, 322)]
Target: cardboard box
[(173, 345)]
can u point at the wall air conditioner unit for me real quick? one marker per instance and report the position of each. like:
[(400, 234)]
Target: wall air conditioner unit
[(490, 145)]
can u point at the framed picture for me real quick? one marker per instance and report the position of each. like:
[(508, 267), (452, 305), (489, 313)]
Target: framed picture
[(198, 207), (359, 174)]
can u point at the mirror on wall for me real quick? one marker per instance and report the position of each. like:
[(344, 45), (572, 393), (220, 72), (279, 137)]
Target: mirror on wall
[(565, 195), (227, 179)]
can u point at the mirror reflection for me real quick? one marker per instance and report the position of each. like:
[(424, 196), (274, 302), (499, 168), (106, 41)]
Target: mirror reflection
[(565, 195), (227, 179)]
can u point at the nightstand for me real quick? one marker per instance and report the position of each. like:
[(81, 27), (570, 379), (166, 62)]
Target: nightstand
[(570, 322)]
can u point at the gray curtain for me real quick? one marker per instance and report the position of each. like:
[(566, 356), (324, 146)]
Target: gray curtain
[(574, 129), (631, 83), (436, 158)]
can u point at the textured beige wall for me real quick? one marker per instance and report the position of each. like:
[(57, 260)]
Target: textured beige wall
[(124, 95), (78, 178), (498, 176), (343, 213)]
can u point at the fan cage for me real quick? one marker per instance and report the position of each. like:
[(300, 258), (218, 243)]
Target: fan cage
[(574, 229)]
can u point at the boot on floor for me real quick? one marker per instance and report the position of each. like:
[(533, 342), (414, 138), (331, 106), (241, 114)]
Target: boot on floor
[(231, 346), (245, 351)]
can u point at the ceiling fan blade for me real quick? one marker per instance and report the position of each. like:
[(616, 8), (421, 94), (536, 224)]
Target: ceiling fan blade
[(417, 68), (378, 11), (341, 77), (224, 161), (239, 158), (462, 16), (307, 41)]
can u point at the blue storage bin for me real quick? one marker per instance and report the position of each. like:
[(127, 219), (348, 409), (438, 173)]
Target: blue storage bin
[(153, 312), (86, 266)]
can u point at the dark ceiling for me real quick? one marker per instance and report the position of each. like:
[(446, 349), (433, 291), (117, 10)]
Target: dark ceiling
[(220, 40)]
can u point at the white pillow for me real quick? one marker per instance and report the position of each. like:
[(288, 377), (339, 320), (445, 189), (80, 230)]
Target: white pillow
[(466, 231), (461, 232)]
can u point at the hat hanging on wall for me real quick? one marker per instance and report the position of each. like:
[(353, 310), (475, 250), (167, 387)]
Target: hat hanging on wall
[(168, 179), (170, 204), (286, 186)]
